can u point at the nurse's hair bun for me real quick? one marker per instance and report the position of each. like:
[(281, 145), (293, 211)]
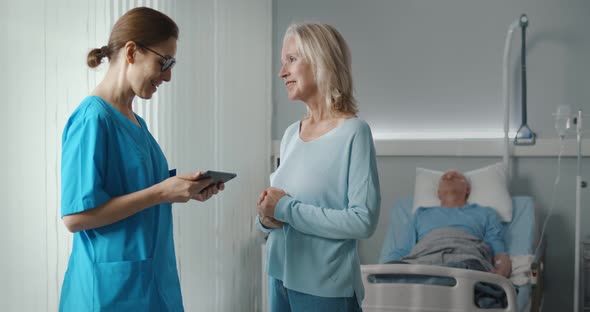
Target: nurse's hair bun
[(95, 56)]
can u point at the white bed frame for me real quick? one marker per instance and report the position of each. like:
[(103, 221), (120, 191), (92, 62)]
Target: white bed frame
[(405, 297)]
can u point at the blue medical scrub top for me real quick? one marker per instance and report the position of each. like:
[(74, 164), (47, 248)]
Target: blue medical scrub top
[(129, 265)]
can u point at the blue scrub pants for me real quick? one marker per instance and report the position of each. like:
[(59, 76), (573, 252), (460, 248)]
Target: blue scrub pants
[(286, 300)]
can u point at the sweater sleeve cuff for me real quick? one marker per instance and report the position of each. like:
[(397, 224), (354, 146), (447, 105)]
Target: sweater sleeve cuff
[(262, 227), (282, 209)]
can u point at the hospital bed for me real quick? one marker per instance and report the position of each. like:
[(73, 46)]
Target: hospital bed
[(430, 294)]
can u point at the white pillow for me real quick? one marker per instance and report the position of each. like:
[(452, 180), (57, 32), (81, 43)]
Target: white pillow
[(488, 188)]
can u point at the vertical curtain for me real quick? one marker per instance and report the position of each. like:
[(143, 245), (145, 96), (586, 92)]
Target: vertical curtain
[(215, 114), (221, 121)]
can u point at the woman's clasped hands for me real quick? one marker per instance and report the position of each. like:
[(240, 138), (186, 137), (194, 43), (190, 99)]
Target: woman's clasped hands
[(266, 204)]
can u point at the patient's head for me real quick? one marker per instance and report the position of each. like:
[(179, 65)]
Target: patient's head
[(453, 189)]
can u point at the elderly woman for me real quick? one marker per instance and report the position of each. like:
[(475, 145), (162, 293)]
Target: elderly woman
[(325, 195)]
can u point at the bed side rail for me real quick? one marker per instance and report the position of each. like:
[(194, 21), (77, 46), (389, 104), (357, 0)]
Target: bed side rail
[(404, 297)]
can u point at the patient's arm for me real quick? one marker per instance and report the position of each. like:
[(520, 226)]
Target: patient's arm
[(502, 265), (404, 243), (494, 237)]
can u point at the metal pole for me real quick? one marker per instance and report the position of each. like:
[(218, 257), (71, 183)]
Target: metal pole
[(578, 217)]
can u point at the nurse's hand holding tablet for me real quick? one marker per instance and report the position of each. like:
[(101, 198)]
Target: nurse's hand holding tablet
[(199, 186)]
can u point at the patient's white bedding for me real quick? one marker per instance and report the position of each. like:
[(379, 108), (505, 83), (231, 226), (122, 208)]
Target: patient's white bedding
[(521, 269)]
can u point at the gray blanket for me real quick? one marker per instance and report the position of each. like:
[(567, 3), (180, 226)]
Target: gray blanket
[(447, 246)]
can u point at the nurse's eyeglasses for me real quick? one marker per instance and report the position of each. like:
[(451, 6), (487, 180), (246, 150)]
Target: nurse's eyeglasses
[(168, 63)]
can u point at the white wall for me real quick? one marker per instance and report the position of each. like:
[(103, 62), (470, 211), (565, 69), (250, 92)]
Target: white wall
[(223, 123), (424, 66), (44, 77), (215, 114)]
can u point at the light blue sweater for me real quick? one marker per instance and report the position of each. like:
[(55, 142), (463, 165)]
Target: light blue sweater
[(333, 200), (481, 222)]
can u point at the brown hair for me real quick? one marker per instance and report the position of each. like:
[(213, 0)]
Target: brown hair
[(144, 26)]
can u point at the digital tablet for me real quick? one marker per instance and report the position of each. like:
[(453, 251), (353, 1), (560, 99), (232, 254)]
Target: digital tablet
[(217, 176)]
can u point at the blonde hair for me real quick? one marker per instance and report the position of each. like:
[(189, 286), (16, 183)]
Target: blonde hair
[(323, 47)]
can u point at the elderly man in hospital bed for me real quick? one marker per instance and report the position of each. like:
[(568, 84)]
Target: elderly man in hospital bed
[(456, 233)]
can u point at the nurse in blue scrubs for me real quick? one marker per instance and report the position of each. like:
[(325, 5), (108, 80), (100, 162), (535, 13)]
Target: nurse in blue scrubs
[(116, 186)]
